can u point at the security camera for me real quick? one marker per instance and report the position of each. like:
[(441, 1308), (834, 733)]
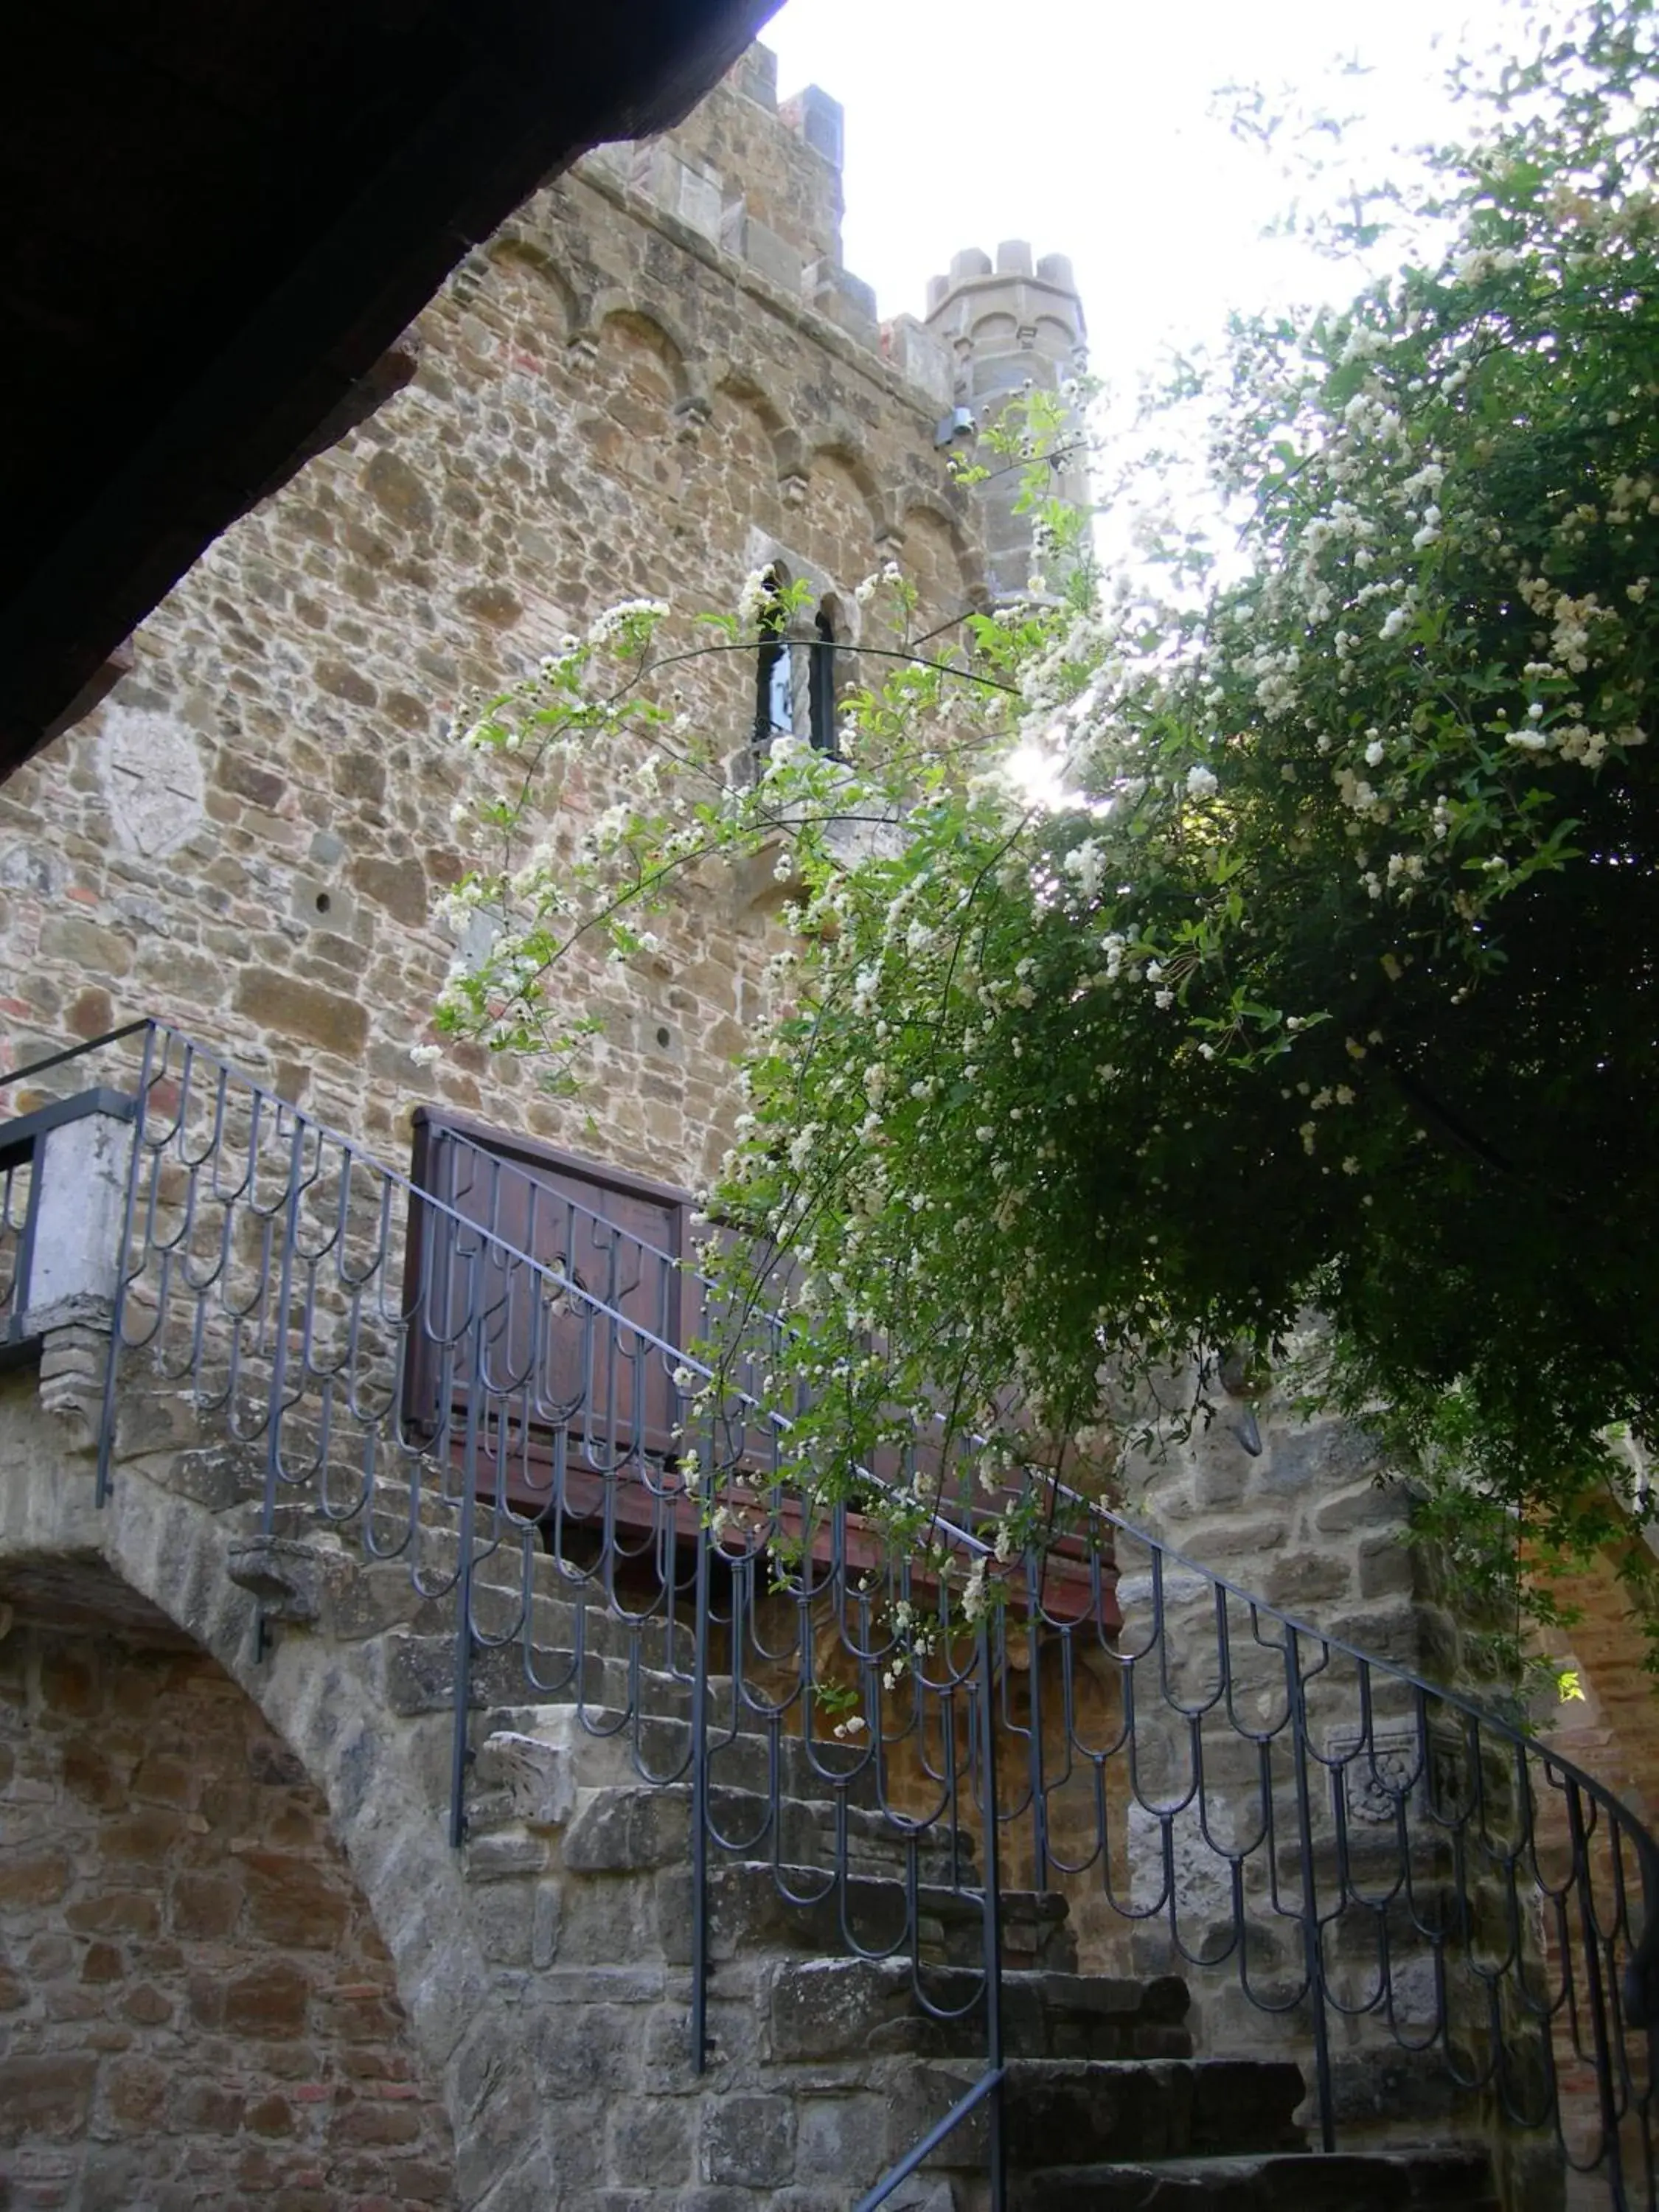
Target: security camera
[(956, 428)]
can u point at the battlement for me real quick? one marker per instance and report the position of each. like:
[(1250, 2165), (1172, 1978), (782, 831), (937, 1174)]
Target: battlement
[(760, 180), (1008, 321)]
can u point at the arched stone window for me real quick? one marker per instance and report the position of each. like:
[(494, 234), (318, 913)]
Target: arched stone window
[(821, 691), (774, 686)]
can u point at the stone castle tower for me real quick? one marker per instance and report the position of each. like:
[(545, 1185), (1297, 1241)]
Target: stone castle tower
[(1006, 327)]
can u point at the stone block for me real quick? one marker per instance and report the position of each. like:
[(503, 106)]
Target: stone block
[(844, 299), (818, 119), (539, 1778), (628, 1831), (46, 2095), (204, 1907), (843, 2137), (269, 2001), (1370, 1505), (290, 1009), (1387, 1567), (502, 1856), (768, 255), (83, 1171), (1301, 1581), (693, 194), (1316, 1454), (30, 1883), (920, 358), (288, 1576), (830, 2008), (604, 1921), (648, 2142), (546, 1915), (505, 1929), (583, 2051), (748, 2141)]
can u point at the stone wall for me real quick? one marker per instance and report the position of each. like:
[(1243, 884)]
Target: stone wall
[(654, 380), (1612, 1730), (195, 2005)]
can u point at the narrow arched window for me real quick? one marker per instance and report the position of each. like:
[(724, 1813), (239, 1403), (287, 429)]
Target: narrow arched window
[(775, 695), (821, 691)]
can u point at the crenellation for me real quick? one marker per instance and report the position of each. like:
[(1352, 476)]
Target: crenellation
[(919, 357), (818, 121)]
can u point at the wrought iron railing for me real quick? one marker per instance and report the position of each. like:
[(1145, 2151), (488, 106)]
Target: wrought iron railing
[(18, 1186), (25, 1292), (1320, 1839)]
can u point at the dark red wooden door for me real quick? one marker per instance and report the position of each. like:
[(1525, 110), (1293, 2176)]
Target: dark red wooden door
[(549, 1310)]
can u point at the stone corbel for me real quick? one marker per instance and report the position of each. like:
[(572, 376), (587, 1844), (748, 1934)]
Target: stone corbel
[(539, 1778), (290, 1577), (692, 416)]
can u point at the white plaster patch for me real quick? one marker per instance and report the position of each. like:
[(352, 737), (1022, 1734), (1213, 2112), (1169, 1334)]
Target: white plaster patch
[(151, 771)]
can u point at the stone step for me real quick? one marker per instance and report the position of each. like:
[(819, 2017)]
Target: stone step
[(1073, 2112), (418, 1674), (637, 1827), (627, 1737), (834, 2008), (364, 1596), (1435, 2179), (755, 1906), (419, 1677)]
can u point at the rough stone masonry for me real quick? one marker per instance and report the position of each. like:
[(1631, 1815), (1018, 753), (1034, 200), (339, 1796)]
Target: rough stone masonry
[(656, 378)]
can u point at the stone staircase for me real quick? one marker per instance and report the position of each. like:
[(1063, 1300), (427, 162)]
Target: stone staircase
[(825, 2066), (824, 2069), (844, 1996), (547, 1967)]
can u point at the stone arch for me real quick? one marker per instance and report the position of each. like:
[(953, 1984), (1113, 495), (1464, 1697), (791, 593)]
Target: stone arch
[(742, 385), (996, 330), (513, 252), (218, 2010), (841, 445), (614, 313), (924, 513), (170, 1557)]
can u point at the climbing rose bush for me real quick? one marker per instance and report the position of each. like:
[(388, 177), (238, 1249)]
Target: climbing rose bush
[(1170, 960)]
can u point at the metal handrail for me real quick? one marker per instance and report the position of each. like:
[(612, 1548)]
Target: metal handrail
[(1353, 1848)]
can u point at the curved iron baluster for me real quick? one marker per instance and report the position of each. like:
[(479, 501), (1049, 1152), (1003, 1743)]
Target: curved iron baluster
[(1351, 1849)]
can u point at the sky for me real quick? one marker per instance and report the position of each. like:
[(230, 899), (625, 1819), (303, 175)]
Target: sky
[(1088, 127)]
